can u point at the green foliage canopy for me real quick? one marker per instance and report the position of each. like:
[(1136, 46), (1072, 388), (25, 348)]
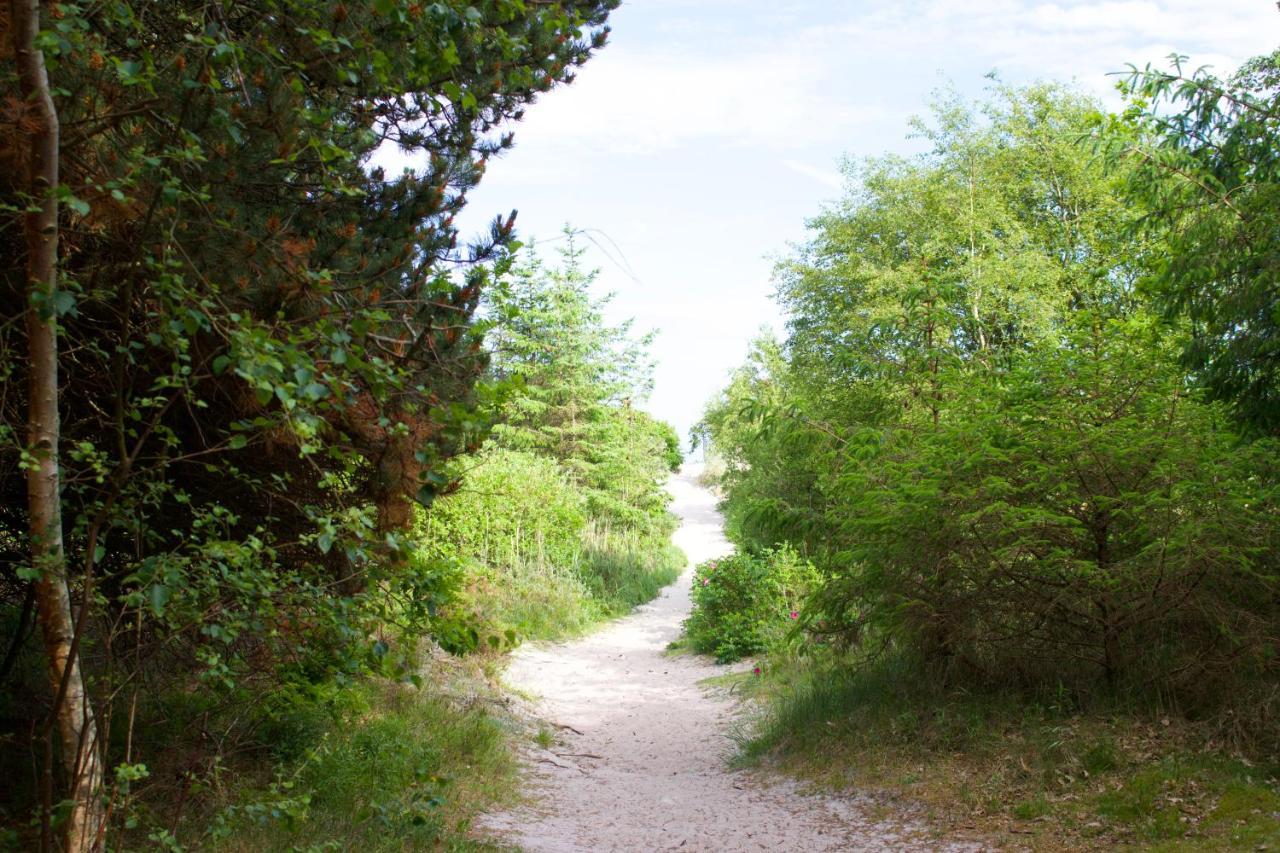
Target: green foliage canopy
[(1202, 158), (269, 347), (579, 382), (979, 431)]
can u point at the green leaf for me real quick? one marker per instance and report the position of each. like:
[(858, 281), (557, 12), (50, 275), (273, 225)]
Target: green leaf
[(315, 391), (158, 595), (64, 302)]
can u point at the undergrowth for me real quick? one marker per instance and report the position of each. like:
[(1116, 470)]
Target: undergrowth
[(535, 564), (400, 768), (1038, 771), (747, 602), (620, 577), (392, 767), (542, 602)]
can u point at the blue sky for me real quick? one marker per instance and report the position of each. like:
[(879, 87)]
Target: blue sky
[(701, 138)]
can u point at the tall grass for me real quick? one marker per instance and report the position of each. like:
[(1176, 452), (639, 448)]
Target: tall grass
[(540, 601), (891, 701), (410, 771), (535, 561), (537, 602), (624, 570)]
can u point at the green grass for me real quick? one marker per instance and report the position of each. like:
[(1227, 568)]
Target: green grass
[(1027, 773), (538, 602), (410, 772), (412, 769), (622, 577), (406, 769), (409, 769), (731, 681), (381, 766), (377, 766)]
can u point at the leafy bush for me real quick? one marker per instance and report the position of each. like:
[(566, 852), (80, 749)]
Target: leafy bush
[(534, 562), (744, 603), (515, 508), (982, 433), (514, 530), (1084, 523)]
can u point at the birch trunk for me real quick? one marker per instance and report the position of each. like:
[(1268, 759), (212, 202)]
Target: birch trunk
[(72, 710)]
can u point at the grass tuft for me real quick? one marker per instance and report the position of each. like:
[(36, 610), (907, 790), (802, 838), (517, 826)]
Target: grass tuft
[(622, 576), (538, 601), (1030, 772), (410, 772)]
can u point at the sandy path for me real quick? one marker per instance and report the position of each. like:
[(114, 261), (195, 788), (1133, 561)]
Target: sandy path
[(640, 760)]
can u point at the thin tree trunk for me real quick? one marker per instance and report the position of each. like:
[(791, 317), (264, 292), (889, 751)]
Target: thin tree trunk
[(72, 711)]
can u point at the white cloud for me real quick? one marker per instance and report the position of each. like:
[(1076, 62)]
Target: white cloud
[(1081, 40), (638, 102), (744, 81), (824, 176)]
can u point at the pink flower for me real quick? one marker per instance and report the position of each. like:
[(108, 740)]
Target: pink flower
[(756, 670), (705, 581), (795, 614)]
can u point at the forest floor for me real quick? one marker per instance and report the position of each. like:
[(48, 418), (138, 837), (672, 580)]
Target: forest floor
[(634, 743)]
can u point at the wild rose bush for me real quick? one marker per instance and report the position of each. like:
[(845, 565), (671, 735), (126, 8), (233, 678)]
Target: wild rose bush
[(745, 603)]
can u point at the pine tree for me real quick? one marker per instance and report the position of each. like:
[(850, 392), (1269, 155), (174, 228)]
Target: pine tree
[(267, 348), (579, 381)]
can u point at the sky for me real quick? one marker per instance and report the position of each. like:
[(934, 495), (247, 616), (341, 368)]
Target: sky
[(694, 146)]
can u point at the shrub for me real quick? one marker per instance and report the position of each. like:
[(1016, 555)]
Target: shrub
[(1084, 523), (534, 563), (388, 768), (514, 508), (745, 603)]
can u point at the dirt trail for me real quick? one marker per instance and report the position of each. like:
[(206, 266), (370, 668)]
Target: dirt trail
[(640, 758)]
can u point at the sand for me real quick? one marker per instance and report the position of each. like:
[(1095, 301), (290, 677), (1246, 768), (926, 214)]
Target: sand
[(641, 755)]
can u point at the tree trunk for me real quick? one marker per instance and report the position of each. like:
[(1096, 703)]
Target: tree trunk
[(72, 711)]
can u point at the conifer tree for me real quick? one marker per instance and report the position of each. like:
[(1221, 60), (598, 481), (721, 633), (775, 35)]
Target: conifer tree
[(579, 383), (1201, 158), (267, 346)]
